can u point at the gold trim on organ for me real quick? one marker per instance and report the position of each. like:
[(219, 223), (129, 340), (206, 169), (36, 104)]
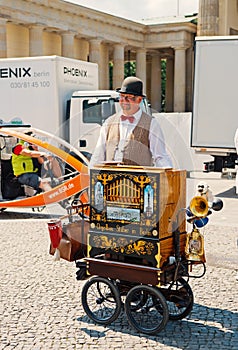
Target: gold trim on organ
[(124, 245)]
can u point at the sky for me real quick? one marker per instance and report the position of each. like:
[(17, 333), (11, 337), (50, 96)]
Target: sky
[(142, 9)]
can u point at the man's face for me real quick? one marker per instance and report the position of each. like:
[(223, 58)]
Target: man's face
[(130, 103)]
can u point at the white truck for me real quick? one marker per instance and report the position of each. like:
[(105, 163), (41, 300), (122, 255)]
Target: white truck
[(215, 101), (56, 94)]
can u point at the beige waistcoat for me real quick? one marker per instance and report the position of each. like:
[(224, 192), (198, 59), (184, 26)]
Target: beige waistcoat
[(137, 147)]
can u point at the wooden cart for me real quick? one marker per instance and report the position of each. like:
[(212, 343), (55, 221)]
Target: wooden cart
[(133, 249)]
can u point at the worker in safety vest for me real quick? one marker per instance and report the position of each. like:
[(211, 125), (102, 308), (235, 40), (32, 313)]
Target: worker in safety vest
[(24, 168)]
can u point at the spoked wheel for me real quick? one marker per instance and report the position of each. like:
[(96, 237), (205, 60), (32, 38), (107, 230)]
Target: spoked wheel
[(146, 309), (101, 300), (179, 297)]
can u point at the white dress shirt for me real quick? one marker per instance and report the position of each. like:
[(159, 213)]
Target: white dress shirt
[(160, 156)]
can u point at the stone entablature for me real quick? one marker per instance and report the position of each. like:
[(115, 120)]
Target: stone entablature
[(61, 16), (41, 27), (46, 27)]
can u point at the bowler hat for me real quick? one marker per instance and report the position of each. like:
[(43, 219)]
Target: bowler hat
[(132, 86)]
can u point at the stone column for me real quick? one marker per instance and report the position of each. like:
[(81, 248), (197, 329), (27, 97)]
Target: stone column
[(141, 66), (105, 68), (169, 93), (179, 79), (156, 82), (118, 65), (3, 38), (94, 51), (148, 77), (208, 16), (36, 47), (189, 78), (67, 44), (95, 56), (81, 49)]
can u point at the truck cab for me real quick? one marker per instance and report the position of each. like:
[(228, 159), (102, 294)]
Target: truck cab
[(88, 111)]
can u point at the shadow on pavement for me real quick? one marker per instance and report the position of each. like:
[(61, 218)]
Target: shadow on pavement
[(218, 325), (230, 193)]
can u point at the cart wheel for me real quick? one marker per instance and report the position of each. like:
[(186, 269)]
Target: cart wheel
[(101, 300), (179, 297), (146, 309)]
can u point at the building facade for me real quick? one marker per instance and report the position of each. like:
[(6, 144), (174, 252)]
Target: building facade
[(56, 27)]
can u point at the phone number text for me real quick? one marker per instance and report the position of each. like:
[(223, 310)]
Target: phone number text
[(33, 84)]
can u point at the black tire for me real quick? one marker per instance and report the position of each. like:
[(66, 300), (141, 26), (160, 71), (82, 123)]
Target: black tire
[(101, 300), (146, 309), (180, 300)]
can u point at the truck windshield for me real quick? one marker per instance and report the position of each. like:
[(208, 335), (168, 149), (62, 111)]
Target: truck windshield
[(97, 110)]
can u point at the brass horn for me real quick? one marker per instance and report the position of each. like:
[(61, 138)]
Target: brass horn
[(199, 206)]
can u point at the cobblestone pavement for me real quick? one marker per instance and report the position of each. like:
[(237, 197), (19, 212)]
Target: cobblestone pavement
[(40, 305)]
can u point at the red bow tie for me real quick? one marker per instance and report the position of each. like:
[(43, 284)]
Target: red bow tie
[(131, 118)]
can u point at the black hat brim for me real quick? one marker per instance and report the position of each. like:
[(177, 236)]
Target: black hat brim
[(128, 92)]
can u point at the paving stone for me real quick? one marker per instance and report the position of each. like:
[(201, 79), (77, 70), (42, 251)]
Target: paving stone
[(41, 309)]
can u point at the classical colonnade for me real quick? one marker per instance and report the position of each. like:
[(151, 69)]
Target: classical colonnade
[(35, 28)]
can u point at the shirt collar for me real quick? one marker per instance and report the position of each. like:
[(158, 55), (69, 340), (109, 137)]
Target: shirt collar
[(137, 115)]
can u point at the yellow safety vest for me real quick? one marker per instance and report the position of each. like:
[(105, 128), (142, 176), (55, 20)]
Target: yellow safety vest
[(22, 164)]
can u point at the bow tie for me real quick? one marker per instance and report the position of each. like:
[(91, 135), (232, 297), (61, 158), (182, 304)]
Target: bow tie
[(130, 118)]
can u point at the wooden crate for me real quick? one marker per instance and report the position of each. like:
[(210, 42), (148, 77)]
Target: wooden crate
[(134, 212)]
